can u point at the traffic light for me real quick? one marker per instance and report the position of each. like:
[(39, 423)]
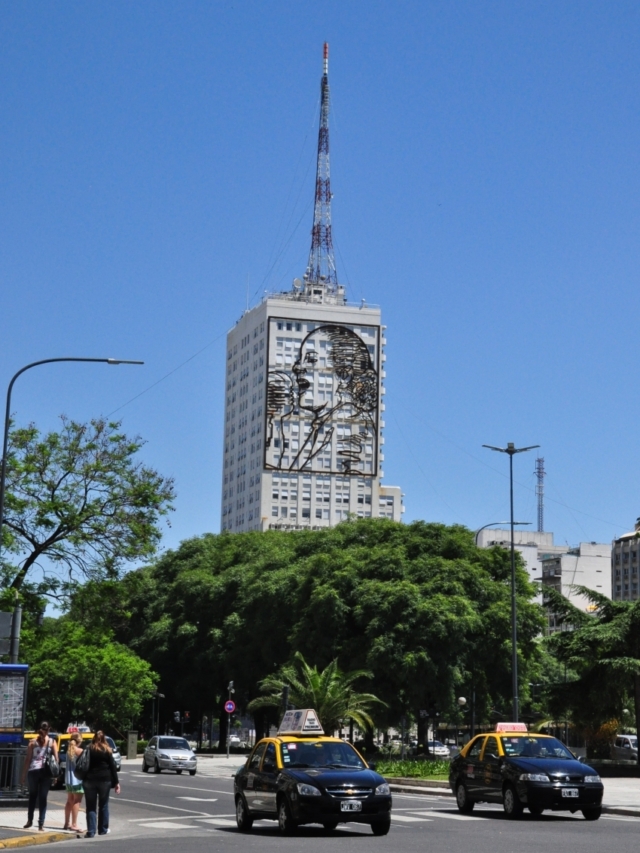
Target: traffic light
[(176, 716), (186, 716)]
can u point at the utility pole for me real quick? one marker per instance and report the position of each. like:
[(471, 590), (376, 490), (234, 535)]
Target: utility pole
[(540, 472)]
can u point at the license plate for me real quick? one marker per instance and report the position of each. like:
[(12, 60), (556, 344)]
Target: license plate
[(351, 806), (570, 792)]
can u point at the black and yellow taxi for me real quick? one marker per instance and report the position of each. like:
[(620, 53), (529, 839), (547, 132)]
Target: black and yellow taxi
[(523, 769), (302, 776)]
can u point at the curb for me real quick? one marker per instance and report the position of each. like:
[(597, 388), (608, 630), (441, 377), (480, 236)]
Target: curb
[(29, 840), (621, 810)]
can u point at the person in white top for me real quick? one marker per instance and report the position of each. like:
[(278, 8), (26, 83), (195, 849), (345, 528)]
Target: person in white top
[(35, 771)]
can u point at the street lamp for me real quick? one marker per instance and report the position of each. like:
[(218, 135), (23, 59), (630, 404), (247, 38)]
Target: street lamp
[(491, 524), (511, 450), (17, 615)]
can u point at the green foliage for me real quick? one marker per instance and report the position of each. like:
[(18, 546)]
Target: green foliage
[(419, 606), (78, 500), (602, 651), (418, 769), (330, 692), (76, 674)]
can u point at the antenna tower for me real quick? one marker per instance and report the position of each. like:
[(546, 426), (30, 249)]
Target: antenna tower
[(540, 472), (321, 268)]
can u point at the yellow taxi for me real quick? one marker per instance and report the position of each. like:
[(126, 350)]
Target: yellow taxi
[(523, 769), (302, 776)]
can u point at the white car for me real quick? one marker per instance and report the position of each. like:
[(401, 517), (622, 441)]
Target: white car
[(169, 753), (439, 750), (625, 747)]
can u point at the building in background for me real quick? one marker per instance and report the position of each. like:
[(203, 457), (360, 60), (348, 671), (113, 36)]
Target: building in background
[(625, 558), (303, 429), (534, 546), (588, 565)]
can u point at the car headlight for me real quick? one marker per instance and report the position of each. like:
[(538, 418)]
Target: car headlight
[(592, 779), (308, 790), (162, 755), (534, 777), (383, 789)]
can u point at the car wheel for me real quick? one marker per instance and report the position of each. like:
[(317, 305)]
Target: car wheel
[(178, 772), (536, 810), (157, 768), (286, 823), (511, 802), (192, 772), (145, 766), (592, 814), (381, 827), (465, 805), (330, 825), (243, 819)]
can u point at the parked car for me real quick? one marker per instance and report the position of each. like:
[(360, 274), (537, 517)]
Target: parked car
[(116, 753), (625, 748), (169, 753), (439, 750)]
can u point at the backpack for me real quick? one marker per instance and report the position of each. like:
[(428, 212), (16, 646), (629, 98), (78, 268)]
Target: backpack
[(82, 764), (50, 766)]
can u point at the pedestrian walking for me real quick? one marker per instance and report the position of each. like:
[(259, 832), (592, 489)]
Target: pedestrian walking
[(37, 774), (101, 778), (75, 791)]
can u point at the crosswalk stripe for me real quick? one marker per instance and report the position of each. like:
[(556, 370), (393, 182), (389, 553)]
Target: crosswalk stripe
[(407, 819), (448, 815)]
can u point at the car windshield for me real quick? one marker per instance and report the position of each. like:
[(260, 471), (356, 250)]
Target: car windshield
[(173, 743), (530, 746), (321, 754), (111, 743)]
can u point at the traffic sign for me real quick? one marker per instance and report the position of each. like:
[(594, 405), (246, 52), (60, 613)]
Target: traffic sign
[(230, 706)]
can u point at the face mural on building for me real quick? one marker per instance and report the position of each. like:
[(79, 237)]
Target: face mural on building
[(322, 410)]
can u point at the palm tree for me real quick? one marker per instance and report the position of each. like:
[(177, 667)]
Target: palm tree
[(330, 692)]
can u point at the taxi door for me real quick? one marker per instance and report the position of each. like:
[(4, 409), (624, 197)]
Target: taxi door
[(248, 780), (491, 770), (472, 768), (266, 783)]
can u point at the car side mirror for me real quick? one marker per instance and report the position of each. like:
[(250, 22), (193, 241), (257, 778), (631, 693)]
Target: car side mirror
[(581, 759), (372, 765), (152, 746)]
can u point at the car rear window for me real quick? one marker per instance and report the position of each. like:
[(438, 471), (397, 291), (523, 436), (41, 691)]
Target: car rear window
[(173, 743)]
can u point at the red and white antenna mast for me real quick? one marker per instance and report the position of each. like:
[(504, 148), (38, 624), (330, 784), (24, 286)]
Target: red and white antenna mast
[(321, 268)]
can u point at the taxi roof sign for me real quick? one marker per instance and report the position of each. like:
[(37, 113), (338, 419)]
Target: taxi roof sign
[(302, 722), (511, 727)]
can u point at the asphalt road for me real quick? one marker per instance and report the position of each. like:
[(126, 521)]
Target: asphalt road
[(193, 814)]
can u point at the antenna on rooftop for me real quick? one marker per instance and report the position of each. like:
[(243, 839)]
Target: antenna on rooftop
[(321, 268), (540, 472)]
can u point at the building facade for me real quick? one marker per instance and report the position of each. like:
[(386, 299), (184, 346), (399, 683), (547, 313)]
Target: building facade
[(588, 565), (625, 559), (304, 428), (532, 545)]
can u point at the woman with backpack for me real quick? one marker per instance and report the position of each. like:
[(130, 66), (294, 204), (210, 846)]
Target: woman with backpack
[(37, 770), (100, 778), (75, 791)]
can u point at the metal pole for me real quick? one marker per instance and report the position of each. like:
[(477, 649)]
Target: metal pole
[(514, 627), (16, 622), (473, 712)]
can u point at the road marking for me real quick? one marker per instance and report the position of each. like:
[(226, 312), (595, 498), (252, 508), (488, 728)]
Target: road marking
[(619, 817), (158, 806), (182, 787), (164, 824), (199, 799), (448, 815), (143, 820), (217, 821), (406, 819)]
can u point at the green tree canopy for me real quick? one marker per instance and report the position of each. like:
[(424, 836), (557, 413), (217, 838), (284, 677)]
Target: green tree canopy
[(330, 692), (78, 503), (76, 674), (419, 606)]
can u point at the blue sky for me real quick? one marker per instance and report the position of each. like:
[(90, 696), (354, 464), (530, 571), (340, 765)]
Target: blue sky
[(157, 166)]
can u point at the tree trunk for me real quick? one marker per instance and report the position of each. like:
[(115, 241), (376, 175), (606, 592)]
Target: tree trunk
[(422, 722), (223, 720)]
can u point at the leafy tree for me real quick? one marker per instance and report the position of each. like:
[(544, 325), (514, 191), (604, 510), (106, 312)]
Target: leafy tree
[(76, 674), (602, 650), (79, 504), (330, 692), (419, 606)]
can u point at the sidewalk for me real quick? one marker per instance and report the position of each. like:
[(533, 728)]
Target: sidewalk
[(621, 796)]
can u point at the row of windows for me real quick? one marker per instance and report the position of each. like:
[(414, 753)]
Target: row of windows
[(323, 514)]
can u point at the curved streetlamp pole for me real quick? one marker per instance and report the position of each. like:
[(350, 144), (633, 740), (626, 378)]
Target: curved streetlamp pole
[(511, 450), (15, 626), (491, 523)]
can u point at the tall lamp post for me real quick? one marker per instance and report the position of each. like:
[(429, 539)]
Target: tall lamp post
[(17, 614), (511, 450)]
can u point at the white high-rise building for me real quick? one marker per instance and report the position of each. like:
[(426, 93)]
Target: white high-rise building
[(303, 397)]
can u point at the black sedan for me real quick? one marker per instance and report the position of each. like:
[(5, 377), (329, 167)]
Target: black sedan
[(298, 780), (523, 771)]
